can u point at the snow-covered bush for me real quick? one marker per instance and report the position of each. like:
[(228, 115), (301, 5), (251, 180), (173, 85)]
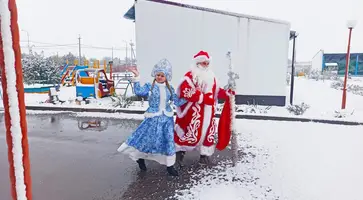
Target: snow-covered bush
[(338, 84), (253, 109), (38, 69), (298, 109), (343, 113), (353, 88), (250, 108), (325, 75), (315, 74), (122, 101)]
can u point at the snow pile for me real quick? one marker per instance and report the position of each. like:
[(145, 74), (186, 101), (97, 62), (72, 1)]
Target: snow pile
[(110, 115), (286, 160), (247, 180)]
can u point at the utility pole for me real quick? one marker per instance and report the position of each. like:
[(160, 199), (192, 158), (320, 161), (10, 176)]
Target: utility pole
[(27, 33), (127, 61), (80, 55), (133, 57), (112, 54)]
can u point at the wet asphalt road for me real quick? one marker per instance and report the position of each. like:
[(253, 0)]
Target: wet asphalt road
[(72, 162)]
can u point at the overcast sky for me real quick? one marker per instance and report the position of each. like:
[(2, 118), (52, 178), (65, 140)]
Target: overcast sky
[(321, 23)]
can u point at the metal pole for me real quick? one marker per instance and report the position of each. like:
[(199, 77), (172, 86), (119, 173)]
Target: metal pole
[(344, 98), (292, 71), (127, 62), (112, 53), (79, 45)]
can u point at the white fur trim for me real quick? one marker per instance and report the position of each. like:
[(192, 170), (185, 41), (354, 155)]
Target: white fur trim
[(216, 94), (228, 94), (135, 79), (135, 154), (206, 122), (166, 113), (232, 99), (203, 150), (207, 151), (184, 148), (201, 59), (189, 81), (181, 114), (201, 97), (179, 131)]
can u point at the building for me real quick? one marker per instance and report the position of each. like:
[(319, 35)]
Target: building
[(303, 67), (337, 61), (259, 46)]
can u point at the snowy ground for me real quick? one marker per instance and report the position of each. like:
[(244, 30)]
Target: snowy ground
[(323, 100), (286, 160)]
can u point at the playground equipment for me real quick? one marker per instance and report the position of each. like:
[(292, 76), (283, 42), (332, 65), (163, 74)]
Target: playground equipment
[(95, 84), (69, 74), (124, 84)]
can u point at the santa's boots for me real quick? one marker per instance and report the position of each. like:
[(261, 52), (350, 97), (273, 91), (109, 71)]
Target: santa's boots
[(204, 160), (142, 165), (180, 158), (172, 171)]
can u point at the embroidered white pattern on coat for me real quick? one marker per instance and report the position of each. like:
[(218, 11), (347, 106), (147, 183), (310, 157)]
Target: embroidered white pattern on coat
[(212, 130), (188, 92), (191, 135)]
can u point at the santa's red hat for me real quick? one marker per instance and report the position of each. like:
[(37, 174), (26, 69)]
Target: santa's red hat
[(202, 56)]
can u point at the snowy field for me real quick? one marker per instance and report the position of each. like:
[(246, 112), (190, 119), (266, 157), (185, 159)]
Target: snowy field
[(323, 100), (286, 160)]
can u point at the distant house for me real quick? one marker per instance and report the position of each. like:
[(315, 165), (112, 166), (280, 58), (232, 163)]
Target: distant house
[(123, 68)]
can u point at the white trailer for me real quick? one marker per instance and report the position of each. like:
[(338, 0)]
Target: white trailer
[(178, 31)]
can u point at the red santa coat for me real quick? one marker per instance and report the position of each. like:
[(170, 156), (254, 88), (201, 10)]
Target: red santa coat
[(195, 125)]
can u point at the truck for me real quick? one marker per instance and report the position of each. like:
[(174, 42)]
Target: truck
[(176, 31)]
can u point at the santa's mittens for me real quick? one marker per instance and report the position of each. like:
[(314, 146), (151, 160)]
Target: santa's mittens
[(208, 99), (231, 92)]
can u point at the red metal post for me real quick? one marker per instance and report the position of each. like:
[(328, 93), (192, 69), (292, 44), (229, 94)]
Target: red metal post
[(14, 29), (347, 59)]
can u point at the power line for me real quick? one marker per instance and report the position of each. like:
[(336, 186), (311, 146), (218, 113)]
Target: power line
[(36, 42), (49, 45)]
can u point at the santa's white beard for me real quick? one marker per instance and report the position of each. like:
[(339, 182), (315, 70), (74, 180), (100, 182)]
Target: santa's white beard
[(203, 77)]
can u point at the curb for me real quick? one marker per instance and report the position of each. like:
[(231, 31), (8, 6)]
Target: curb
[(238, 116)]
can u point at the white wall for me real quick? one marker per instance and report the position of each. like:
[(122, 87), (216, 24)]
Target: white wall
[(259, 49)]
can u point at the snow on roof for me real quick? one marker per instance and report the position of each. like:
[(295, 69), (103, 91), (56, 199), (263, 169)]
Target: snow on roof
[(331, 64), (130, 14)]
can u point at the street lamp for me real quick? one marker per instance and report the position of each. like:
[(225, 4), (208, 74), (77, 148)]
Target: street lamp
[(350, 24), (293, 36)]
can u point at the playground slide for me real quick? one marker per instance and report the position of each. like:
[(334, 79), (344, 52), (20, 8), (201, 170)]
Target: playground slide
[(64, 77), (64, 69)]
